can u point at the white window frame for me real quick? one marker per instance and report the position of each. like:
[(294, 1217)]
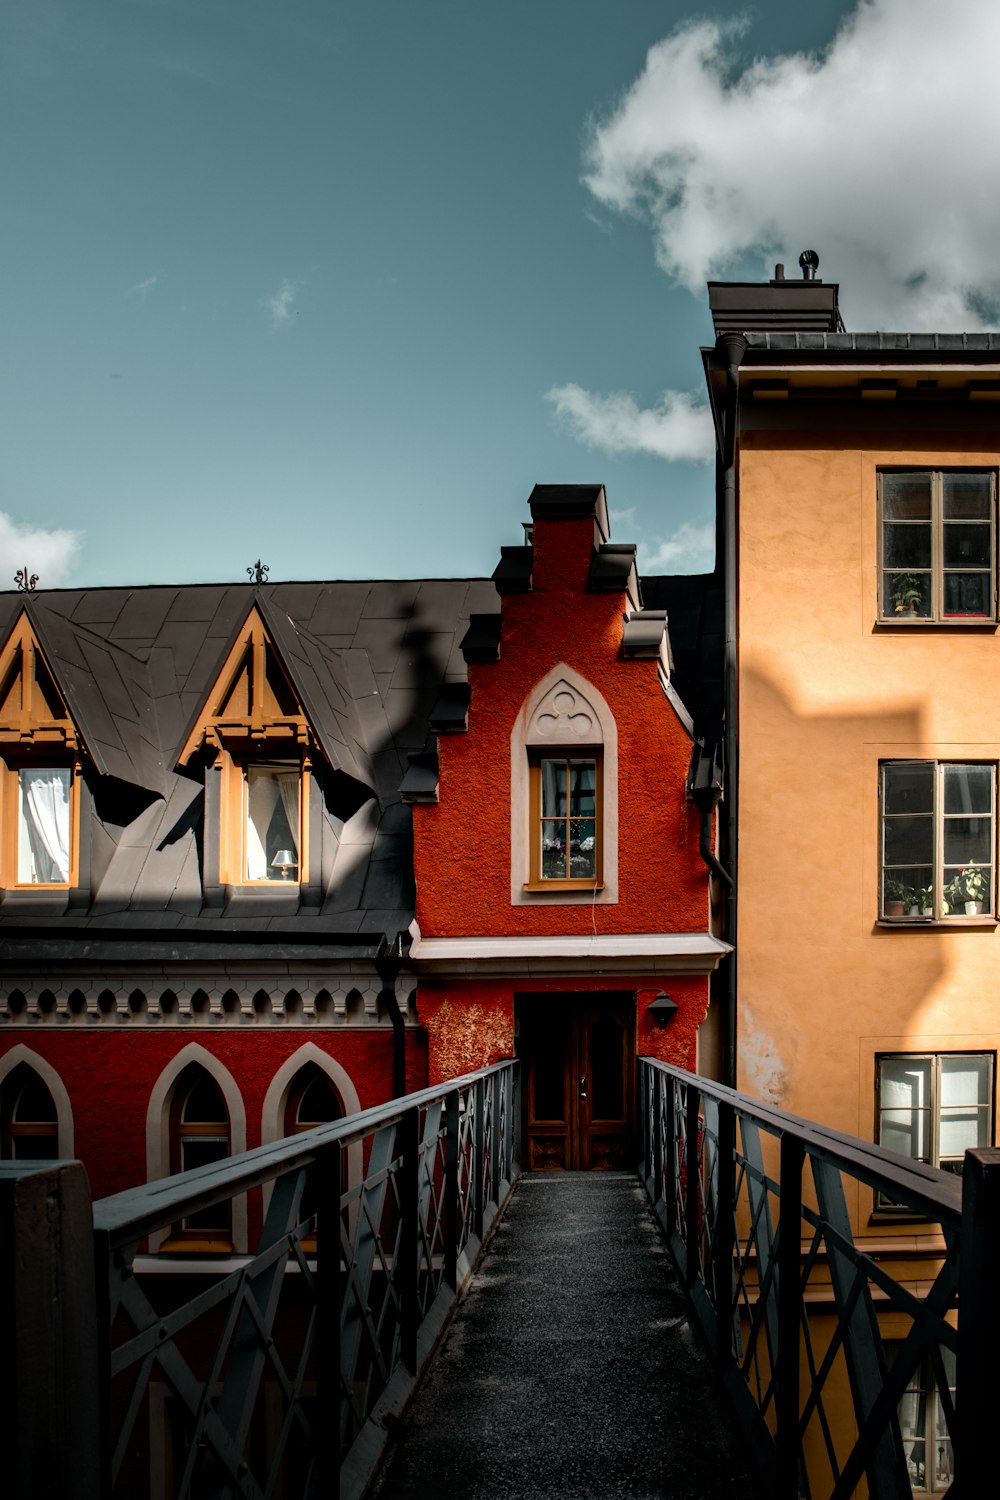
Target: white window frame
[(887, 611), (915, 910)]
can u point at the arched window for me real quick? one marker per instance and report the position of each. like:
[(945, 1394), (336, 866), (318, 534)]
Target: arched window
[(200, 1134), (29, 1126), (312, 1100), (564, 794)]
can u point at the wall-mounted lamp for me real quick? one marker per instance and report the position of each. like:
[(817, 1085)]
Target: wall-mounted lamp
[(663, 1009)]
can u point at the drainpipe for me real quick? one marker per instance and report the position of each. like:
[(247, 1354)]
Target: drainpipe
[(732, 347), (388, 961)]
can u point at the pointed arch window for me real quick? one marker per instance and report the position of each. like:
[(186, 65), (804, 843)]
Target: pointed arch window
[(29, 1126), (564, 802), (200, 1133), (312, 1100)]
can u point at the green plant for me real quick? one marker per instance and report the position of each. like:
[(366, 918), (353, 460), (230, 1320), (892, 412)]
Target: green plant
[(907, 592), (897, 890), (924, 896), (970, 884)]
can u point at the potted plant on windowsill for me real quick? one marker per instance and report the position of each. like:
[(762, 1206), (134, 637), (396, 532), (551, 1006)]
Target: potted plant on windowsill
[(907, 594), (968, 889), (925, 900), (896, 897)]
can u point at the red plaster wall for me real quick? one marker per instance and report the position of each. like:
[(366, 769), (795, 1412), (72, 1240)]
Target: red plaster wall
[(109, 1077), (462, 844), (471, 1025)]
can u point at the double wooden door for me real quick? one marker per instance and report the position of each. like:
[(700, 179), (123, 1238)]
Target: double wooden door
[(577, 1071)]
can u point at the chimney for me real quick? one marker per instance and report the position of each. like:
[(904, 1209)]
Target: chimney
[(778, 306)]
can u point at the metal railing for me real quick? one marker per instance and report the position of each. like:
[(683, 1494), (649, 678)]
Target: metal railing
[(277, 1373), (818, 1338)]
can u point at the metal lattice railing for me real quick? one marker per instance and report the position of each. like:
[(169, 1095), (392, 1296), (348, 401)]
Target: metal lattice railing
[(821, 1341), (228, 1381)]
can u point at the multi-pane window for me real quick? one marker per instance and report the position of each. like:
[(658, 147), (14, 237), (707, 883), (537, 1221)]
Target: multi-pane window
[(43, 825), (938, 545), (938, 839), (934, 1106), (566, 817), (199, 1135), (923, 1425), (271, 832), (312, 1101)]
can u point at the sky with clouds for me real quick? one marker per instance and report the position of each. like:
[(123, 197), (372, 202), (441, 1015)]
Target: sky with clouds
[(333, 284)]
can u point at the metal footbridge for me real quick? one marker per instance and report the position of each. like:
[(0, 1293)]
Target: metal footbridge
[(709, 1326)]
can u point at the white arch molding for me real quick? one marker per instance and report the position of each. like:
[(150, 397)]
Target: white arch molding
[(158, 1128), (272, 1118), (563, 710), (60, 1098)]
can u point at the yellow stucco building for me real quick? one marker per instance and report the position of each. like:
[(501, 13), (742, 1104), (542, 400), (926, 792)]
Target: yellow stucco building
[(858, 522)]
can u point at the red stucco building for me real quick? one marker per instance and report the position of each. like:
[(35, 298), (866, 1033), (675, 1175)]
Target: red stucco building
[(275, 851)]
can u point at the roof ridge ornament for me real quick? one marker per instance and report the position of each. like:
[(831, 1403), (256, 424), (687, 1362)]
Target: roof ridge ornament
[(26, 582), (258, 572)]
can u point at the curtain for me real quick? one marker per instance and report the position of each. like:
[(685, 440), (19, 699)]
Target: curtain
[(270, 828), (43, 833)]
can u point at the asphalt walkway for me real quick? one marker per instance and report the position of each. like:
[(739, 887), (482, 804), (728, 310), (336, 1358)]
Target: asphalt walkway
[(572, 1367)]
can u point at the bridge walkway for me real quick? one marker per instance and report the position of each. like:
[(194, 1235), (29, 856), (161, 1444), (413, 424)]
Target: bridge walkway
[(572, 1368)]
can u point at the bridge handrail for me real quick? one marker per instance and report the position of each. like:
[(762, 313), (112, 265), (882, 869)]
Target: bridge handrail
[(800, 1311), (933, 1193), (131, 1215)]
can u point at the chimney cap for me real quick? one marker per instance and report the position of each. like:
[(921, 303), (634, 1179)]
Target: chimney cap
[(809, 261)]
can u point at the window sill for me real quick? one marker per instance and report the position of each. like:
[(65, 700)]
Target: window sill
[(535, 886), (977, 623), (196, 1246), (910, 924)]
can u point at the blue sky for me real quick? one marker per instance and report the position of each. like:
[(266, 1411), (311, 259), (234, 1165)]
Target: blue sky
[(333, 284)]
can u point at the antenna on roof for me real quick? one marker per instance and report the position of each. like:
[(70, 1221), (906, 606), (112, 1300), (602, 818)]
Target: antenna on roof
[(26, 582), (809, 261), (258, 573)]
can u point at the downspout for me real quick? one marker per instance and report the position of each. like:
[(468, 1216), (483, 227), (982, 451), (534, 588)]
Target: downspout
[(732, 347), (388, 962)]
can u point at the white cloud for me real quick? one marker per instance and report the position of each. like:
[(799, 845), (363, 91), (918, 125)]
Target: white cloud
[(691, 549), (678, 428), (143, 288), (880, 152), (279, 304), (50, 554)]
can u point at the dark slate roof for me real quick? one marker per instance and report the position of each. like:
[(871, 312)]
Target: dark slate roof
[(695, 606), (369, 660)]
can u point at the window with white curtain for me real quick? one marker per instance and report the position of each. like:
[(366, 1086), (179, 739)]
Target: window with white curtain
[(272, 823), (43, 830), (934, 1106)]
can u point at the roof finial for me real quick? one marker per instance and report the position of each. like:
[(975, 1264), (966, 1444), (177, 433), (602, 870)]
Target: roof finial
[(26, 582), (258, 573)]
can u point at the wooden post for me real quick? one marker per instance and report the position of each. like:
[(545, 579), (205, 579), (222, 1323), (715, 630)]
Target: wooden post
[(978, 1321), (50, 1416)]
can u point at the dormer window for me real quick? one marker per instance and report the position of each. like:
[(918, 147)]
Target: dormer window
[(254, 731), (39, 770)]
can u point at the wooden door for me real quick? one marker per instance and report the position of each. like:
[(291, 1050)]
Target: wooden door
[(577, 1056)]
